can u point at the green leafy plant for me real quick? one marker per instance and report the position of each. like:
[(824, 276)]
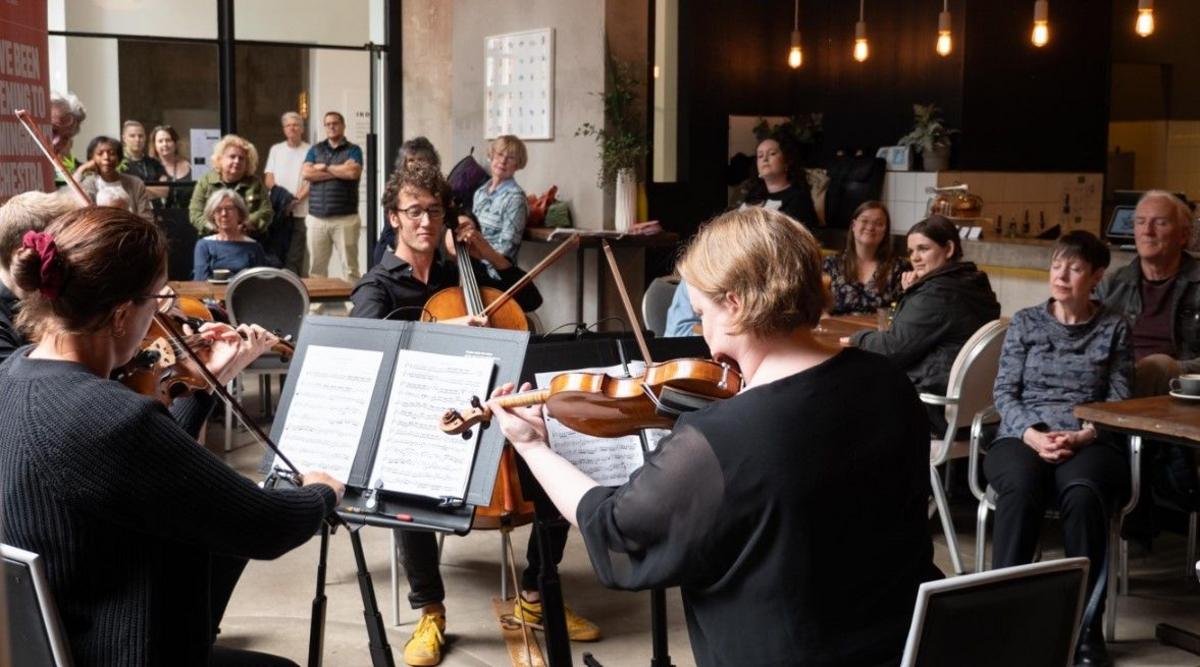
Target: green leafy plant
[(929, 131), (622, 138), (806, 129)]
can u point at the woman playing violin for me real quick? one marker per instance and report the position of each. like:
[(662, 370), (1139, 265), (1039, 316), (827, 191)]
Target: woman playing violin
[(769, 509), (127, 510)]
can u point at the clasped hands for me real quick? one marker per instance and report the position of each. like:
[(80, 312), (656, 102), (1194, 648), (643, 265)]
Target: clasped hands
[(1058, 446)]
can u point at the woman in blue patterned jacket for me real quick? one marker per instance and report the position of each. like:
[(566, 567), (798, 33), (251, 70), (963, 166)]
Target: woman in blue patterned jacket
[(1059, 354)]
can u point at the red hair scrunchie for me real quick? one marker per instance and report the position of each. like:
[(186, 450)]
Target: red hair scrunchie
[(51, 272)]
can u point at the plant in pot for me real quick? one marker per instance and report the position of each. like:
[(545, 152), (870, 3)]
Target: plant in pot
[(930, 137), (806, 129), (621, 140)]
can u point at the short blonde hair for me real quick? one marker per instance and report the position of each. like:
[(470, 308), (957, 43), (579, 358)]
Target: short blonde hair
[(234, 140), (512, 145), (768, 261), (29, 212)]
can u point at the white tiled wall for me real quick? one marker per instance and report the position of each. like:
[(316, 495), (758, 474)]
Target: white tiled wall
[(1070, 200)]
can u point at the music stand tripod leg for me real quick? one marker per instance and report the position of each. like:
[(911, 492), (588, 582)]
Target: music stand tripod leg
[(554, 619), (381, 652), (316, 628), (660, 656)]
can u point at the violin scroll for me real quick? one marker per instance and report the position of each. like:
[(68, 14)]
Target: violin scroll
[(455, 422)]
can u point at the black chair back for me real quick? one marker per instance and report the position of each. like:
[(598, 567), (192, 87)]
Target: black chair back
[(274, 299)]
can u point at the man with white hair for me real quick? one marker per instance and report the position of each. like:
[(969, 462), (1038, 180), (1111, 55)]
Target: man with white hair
[(284, 164), (66, 115), (1159, 293)]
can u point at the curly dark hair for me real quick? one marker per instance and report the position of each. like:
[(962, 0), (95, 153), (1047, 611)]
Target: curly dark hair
[(417, 177)]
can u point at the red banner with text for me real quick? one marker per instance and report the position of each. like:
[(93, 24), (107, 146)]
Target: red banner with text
[(24, 84)]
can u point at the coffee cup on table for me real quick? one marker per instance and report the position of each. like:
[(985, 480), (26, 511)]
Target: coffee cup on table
[(1186, 384), (222, 275)]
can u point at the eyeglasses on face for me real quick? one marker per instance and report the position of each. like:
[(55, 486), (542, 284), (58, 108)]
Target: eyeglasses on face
[(167, 299), (415, 212)]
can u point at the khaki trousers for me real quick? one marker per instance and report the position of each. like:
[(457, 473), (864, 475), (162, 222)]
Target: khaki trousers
[(338, 234)]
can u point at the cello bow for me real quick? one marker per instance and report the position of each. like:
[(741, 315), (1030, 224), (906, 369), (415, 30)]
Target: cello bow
[(531, 274), (39, 140)]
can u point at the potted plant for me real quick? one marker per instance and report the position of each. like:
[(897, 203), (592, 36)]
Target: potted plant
[(622, 140), (807, 130), (929, 137)]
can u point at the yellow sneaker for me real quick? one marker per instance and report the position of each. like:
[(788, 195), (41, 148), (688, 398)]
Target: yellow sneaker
[(579, 629), (424, 648)]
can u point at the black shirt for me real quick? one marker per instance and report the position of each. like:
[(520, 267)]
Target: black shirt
[(1152, 331), (792, 517), (794, 201), (10, 337), (148, 169), (390, 291)]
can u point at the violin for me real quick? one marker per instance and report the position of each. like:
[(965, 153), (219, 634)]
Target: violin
[(604, 406), (161, 369)]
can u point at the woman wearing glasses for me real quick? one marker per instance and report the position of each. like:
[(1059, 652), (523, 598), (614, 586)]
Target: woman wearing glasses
[(867, 275), (127, 509), (500, 204), (230, 248)]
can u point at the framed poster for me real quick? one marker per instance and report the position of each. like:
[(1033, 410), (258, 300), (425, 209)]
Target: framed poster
[(519, 84)]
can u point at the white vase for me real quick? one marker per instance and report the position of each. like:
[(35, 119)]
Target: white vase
[(625, 206)]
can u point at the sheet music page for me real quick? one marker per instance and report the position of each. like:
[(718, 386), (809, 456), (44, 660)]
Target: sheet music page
[(414, 456), (328, 411), (608, 461)]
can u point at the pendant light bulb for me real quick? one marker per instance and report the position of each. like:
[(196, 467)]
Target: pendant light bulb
[(944, 44), (1145, 19), (861, 50), (795, 56), (1041, 23)]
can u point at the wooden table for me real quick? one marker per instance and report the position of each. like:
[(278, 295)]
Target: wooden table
[(591, 238), (1158, 418), (833, 328), (319, 289)]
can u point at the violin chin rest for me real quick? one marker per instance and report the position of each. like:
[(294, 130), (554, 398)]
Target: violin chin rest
[(673, 402)]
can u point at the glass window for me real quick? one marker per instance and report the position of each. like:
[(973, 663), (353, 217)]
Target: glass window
[(160, 18), (345, 23), (666, 91)]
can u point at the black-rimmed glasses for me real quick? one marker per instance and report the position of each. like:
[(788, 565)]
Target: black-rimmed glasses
[(415, 212)]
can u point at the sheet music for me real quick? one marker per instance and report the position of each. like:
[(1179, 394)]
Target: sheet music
[(329, 409), (608, 461), (414, 456)]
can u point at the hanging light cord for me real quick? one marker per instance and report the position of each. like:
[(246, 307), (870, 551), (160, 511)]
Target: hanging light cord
[(796, 17), (860, 10)]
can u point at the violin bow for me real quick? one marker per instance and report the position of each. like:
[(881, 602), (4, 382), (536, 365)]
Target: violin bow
[(39, 140), (528, 277), (177, 337), (629, 311)]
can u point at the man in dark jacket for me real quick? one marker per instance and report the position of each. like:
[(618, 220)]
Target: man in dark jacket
[(1160, 294)]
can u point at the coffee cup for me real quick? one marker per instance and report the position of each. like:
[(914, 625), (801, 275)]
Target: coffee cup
[(223, 275), (1186, 384)]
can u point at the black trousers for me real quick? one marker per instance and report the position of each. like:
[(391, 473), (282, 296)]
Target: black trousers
[(1086, 489), (419, 552)]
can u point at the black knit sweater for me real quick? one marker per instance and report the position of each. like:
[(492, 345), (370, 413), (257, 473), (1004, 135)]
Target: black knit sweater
[(126, 508)]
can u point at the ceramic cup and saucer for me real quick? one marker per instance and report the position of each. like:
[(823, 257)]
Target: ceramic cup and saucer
[(222, 276), (1186, 387)]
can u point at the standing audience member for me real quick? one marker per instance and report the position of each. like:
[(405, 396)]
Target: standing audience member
[(333, 168), (66, 116), (417, 150), (1160, 294), (138, 163), (26, 212), (781, 184), (500, 204), (229, 248), (866, 276), (100, 177), (772, 532), (285, 161), (164, 147), (234, 166), (128, 563), (946, 299), (1059, 354)]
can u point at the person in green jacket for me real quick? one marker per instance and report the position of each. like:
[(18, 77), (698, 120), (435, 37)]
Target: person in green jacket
[(234, 165)]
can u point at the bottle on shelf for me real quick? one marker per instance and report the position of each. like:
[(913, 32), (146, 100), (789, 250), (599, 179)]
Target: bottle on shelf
[(1025, 225)]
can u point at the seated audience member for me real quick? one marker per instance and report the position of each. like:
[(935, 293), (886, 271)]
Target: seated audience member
[(417, 150), (138, 163), (114, 197), (416, 200), (26, 212), (234, 166), (866, 276), (229, 248), (1159, 293), (66, 117), (767, 509), (127, 510), (100, 173), (285, 161), (945, 301), (1059, 354), (164, 147), (781, 184), (500, 204)]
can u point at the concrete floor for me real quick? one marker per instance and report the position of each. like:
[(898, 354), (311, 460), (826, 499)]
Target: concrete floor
[(270, 608)]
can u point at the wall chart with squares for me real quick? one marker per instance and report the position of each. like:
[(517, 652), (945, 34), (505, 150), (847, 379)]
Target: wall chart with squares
[(519, 84)]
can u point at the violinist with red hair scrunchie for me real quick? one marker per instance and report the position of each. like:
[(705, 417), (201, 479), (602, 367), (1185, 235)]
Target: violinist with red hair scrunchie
[(135, 521)]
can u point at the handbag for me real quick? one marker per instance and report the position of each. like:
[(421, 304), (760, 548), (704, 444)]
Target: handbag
[(538, 206)]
